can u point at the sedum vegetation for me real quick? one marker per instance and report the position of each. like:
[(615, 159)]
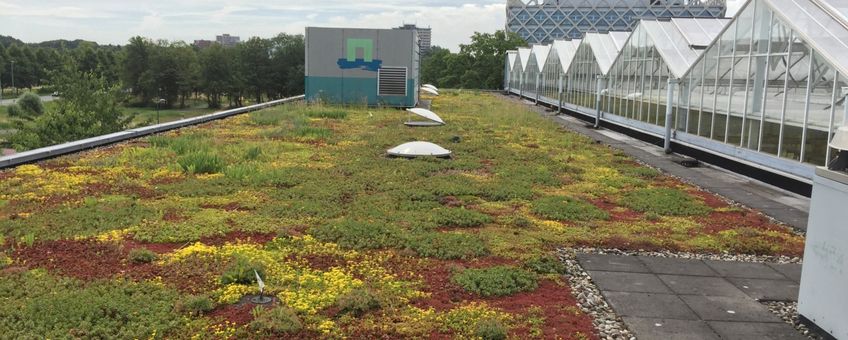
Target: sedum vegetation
[(349, 243)]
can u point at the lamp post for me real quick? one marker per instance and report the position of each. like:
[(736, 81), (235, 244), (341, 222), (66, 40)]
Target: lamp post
[(13, 78), (159, 102)]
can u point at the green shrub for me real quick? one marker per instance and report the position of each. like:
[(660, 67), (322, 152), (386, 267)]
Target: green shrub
[(496, 281), (459, 217), (279, 320), (266, 117), (490, 329), (358, 302), (142, 255), (201, 163), (195, 304), (182, 144), (312, 132), (241, 271), (567, 209), (358, 235), (253, 153), (28, 239), (447, 246), (546, 265), (327, 113), (664, 201)]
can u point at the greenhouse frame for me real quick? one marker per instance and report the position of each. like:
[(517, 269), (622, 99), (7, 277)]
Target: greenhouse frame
[(765, 89)]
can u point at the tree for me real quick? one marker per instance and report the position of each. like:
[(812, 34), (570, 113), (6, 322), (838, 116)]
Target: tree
[(477, 65), (90, 106), (135, 75), (288, 55), (255, 59), (215, 74), (28, 107)]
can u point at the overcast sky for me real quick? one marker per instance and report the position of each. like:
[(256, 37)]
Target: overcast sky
[(114, 22)]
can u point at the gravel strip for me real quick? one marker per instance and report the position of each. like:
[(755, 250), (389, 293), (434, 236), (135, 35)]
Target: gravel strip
[(608, 325), (697, 256), (788, 312)]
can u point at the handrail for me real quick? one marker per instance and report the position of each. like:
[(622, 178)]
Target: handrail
[(93, 142)]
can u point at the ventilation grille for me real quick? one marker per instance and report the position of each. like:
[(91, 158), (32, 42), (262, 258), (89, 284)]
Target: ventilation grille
[(391, 81)]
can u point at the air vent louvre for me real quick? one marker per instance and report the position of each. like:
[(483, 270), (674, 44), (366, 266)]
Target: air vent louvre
[(391, 81)]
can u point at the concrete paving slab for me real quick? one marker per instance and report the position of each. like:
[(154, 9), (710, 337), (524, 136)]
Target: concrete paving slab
[(792, 271), (674, 266), (770, 290), (723, 308), (755, 331), (612, 263), (699, 285), (661, 329), (746, 270), (628, 282), (647, 305)]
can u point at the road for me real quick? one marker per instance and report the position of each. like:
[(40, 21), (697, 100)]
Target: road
[(7, 102)]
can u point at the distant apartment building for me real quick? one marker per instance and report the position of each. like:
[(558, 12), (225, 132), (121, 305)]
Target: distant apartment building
[(543, 21), (203, 43), (227, 40), (424, 36)]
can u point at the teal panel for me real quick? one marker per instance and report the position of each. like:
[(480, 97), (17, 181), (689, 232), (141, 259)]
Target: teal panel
[(359, 91)]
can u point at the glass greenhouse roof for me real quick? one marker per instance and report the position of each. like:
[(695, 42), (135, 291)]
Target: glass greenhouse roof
[(511, 56), (680, 42), (700, 32), (540, 52), (524, 57), (606, 47), (822, 23), (565, 50)]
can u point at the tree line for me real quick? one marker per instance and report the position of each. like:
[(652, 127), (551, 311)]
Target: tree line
[(257, 69), (478, 65)]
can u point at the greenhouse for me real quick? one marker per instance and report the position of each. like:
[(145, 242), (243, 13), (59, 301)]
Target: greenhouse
[(763, 89), (561, 54), (592, 60), (533, 70)]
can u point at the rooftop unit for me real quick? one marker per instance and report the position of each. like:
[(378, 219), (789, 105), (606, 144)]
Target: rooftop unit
[(374, 67)]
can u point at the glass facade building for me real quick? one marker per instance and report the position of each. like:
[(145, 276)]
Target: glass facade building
[(764, 89), (543, 21)]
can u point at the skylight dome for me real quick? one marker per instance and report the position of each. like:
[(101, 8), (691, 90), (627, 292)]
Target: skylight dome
[(419, 149), (429, 86), (430, 91), (432, 118)]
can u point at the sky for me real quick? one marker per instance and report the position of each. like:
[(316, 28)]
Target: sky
[(115, 22)]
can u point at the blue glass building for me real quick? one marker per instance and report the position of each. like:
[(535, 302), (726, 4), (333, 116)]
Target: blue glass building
[(543, 21)]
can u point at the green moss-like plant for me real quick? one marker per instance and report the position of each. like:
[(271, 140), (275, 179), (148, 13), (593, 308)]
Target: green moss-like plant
[(460, 217), (447, 246), (279, 320), (358, 302), (142, 255), (358, 235), (546, 265), (664, 201), (496, 281), (195, 304), (567, 209), (490, 329)]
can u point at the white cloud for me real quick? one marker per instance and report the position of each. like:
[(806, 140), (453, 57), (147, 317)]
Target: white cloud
[(115, 22)]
